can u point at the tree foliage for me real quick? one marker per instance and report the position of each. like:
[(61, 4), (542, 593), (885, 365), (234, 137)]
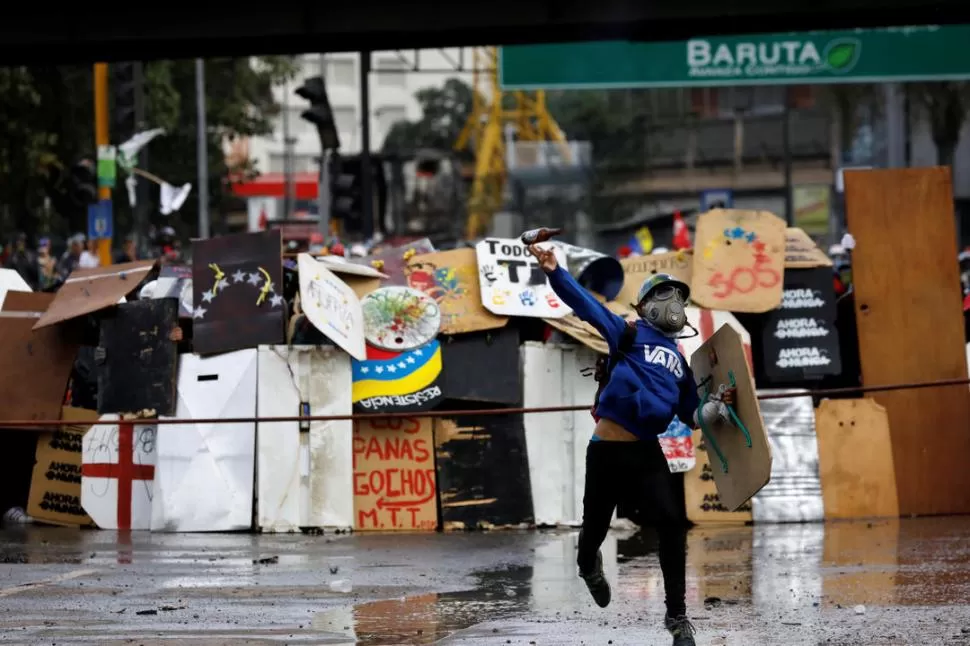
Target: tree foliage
[(846, 99), (945, 105), (444, 111), (47, 125), (239, 103)]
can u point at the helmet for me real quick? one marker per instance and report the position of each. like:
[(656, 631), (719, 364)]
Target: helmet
[(661, 302), (656, 281)]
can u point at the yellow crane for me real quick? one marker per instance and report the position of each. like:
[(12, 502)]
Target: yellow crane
[(484, 134)]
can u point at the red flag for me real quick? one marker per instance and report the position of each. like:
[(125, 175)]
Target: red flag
[(263, 220), (681, 235)]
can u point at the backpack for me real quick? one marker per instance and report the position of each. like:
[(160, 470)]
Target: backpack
[(606, 363)]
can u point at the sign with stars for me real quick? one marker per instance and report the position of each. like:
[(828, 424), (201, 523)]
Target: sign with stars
[(399, 382), (237, 285), (739, 261)]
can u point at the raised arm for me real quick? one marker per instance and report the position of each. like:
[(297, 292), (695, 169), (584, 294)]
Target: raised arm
[(581, 301)]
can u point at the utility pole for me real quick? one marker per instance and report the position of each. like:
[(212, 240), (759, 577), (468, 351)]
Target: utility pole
[(786, 147), (288, 143), (366, 169), (202, 148), (323, 184), (102, 137), (141, 203)]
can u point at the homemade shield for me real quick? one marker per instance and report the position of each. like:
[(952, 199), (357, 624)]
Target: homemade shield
[(513, 284), (451, 279), (739, 261), (36, 365), (117, 473), (400, 382), (89, 290), (140, 358), (204, 480), (739, 452), (237, 284), (55, 487), (332, 306), (400, 318)]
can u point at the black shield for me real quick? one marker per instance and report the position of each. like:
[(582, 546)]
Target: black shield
[(138, 358)]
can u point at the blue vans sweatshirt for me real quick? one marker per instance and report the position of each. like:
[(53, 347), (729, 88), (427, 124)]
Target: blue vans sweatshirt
[(648, 385)]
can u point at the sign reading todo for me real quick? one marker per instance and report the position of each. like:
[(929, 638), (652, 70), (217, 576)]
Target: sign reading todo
[(513, 283), (394, 475)]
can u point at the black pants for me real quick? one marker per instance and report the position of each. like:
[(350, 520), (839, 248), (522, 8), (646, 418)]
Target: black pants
[(636, 473)]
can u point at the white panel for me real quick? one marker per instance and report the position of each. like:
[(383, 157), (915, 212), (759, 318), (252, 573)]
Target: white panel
[(106, 485), (578, 389), (305, 479), (331, 443), (204, 472), (277, 445), (550, 467), (556, 442), (11, 281)]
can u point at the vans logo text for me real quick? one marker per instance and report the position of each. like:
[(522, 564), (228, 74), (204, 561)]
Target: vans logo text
[(664, 357)]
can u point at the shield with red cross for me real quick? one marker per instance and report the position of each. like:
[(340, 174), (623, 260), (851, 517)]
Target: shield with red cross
[(117, 473)]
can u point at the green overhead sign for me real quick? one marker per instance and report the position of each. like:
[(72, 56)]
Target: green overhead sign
[(855, 56)]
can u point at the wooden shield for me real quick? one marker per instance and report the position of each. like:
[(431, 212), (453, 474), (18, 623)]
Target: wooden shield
[(140, 358), (748, 468)]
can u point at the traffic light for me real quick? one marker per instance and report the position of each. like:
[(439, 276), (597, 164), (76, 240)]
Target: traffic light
[(346, 194), (82, 183), (125, 88), (320, 115)]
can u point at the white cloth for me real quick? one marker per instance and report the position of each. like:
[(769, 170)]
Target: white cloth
[(88, 260)]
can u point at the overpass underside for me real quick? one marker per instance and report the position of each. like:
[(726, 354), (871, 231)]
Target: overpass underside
[(77, 33)]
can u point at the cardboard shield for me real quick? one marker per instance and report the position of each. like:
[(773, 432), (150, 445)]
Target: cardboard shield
[(740, 468), (332, 306)]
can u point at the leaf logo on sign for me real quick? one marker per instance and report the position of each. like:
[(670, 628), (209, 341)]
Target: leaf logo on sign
[(841, 55)]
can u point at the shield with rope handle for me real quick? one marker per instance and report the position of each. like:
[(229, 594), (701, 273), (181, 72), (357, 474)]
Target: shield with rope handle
[(738, 448)]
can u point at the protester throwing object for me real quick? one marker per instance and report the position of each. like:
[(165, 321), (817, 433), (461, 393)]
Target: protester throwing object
[(645, 383)]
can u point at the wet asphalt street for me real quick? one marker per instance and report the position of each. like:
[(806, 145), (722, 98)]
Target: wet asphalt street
[(904, 582)]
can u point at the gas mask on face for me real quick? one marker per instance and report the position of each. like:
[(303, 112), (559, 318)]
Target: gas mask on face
[(664, 309)]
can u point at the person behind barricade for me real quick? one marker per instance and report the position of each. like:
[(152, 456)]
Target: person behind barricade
[(645, 382), (128, 252), (72, 256), (46, 265), (22, 260), (89, 257)]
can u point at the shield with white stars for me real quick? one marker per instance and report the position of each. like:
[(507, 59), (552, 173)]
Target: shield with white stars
[(236, 303)]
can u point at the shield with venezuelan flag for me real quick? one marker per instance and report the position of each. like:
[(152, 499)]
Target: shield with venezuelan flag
[(398, 382)]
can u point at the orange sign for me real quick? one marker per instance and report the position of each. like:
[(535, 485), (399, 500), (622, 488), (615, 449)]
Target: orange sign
[(394, 475)]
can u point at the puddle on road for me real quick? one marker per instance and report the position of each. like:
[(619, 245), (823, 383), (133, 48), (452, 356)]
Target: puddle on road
[(427, 618)]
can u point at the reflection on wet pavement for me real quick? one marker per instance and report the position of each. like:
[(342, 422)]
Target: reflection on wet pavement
[(766, 584), (427, 618)]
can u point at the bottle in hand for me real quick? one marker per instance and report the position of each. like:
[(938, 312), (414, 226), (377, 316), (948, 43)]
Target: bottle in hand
[(539, 235)]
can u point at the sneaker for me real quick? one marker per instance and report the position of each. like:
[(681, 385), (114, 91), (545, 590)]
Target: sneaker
[(682, 630), (596, 581)]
